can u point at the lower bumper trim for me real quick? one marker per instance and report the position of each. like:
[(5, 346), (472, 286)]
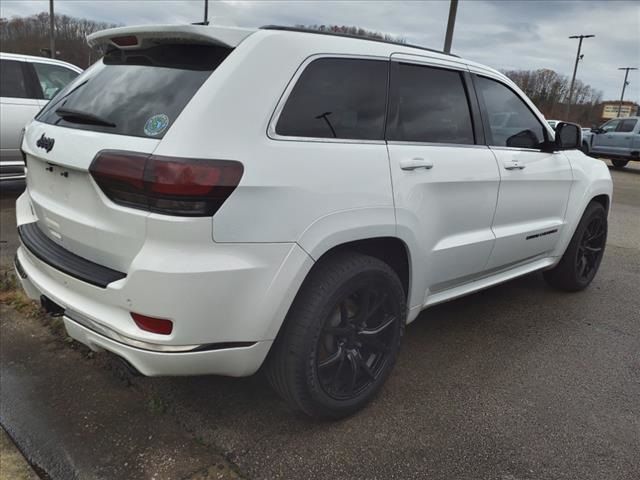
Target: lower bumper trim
[(152, 347)]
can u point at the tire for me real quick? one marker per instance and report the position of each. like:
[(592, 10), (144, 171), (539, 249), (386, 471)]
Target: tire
[(322, 342), (619, 163), (581, 260)]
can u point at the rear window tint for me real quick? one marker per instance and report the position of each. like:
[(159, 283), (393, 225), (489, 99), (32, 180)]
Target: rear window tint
[(139, 92), (12, 82), (337, 98)]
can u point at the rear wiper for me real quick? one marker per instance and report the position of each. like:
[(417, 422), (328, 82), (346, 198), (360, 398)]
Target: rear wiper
[(78, 116)]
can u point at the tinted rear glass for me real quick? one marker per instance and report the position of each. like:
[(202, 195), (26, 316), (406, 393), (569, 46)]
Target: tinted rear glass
[(141, 92), (429, 105), (12, 82), (337, 98)]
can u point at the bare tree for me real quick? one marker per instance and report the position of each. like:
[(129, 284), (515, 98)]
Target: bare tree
[(352, 30), (549, 91), (29, 35)]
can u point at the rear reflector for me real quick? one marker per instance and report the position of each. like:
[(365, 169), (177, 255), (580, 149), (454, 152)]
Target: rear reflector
[(173, 186), (153, 325), (127, 41)]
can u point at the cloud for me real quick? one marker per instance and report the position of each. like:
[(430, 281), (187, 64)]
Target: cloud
[(504, 34)]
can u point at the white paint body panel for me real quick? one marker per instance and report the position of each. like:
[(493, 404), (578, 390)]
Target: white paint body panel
[(233, 277)]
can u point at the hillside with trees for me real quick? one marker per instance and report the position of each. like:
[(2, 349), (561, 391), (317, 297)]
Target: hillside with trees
[(352, 30), (30, 36), (549, 91)]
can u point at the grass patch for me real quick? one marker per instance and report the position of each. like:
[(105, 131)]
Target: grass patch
[(157, 405)]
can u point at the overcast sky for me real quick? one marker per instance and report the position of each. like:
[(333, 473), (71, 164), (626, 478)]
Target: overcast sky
[(504, 34)]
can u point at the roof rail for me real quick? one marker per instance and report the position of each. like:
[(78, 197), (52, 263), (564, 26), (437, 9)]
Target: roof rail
[(349, 35)]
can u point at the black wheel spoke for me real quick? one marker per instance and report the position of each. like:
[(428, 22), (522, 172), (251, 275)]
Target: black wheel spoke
[(582, 266), (373, 309), (365, 368), (333, 358), (351, 385), (380, 328), (335, 380)]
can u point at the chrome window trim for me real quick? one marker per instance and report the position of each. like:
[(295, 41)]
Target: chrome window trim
[(520, 149), (271, 128), (436, 144)]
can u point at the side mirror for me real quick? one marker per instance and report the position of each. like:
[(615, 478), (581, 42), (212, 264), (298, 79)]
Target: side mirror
[(597, 130), (568, 136)]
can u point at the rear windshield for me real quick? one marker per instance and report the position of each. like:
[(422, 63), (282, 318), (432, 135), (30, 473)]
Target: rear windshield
[(135, 92)]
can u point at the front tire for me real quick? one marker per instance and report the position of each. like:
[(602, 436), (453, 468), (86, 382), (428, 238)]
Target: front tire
[(581, 260), (341, 336), (619, 163)]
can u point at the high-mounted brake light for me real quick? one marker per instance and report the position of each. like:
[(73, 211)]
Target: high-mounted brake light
[(152, 324), (173, 186), (126, 41)]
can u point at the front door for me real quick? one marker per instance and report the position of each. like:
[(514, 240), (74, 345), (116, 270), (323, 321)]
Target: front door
[(605, 142), (445, 181), (534, 185)]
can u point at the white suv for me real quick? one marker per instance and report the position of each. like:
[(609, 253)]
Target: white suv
[(207, 200)]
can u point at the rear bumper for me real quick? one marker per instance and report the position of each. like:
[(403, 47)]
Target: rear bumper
[(216, 296)]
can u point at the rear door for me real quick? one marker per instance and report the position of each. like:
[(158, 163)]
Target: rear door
[(19, 104), (445, 180), (125, 102), (534, 185)]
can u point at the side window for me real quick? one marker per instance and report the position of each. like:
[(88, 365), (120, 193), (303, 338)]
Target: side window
[(337, 98), (627, 125), (611, 125), (428, 105), (53, 78), (12, 81), (511, 123)]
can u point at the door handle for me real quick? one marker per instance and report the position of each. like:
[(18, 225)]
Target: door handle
[(515, 165), (416, 163)]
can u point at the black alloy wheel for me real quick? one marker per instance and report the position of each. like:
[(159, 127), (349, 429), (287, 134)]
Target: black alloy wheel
[(356, 341), (590, 249)]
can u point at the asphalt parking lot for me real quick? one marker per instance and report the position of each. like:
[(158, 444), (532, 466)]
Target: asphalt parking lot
[(515, 382)]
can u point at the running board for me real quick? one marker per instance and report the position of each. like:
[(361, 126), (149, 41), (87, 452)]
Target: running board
[(486, 282)]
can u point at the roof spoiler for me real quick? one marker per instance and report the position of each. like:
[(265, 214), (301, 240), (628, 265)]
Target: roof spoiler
[(149, 35)]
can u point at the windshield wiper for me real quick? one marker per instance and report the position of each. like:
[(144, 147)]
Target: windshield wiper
[(78, 116)]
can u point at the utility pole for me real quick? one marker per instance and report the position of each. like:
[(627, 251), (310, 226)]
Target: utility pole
[(206, 12), (624, 85), (52, 33), (453, 8), (575, 69)]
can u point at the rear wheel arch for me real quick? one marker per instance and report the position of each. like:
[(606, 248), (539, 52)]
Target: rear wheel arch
[(391, 250)]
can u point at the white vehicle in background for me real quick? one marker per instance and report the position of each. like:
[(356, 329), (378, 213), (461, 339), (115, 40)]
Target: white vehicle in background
[(206, 200), (618, 140), (553, 123), (27, 83)]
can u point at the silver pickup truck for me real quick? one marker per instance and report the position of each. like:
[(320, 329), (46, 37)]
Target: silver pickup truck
[(617, 140)]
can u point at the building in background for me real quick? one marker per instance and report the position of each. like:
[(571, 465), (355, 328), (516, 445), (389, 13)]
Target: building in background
[(610, 109)]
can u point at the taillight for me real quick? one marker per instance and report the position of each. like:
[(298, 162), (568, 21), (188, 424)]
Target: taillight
[(173, 186), (152, 324)]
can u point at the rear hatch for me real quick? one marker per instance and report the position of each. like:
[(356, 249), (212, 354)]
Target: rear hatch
[(126, 102)]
